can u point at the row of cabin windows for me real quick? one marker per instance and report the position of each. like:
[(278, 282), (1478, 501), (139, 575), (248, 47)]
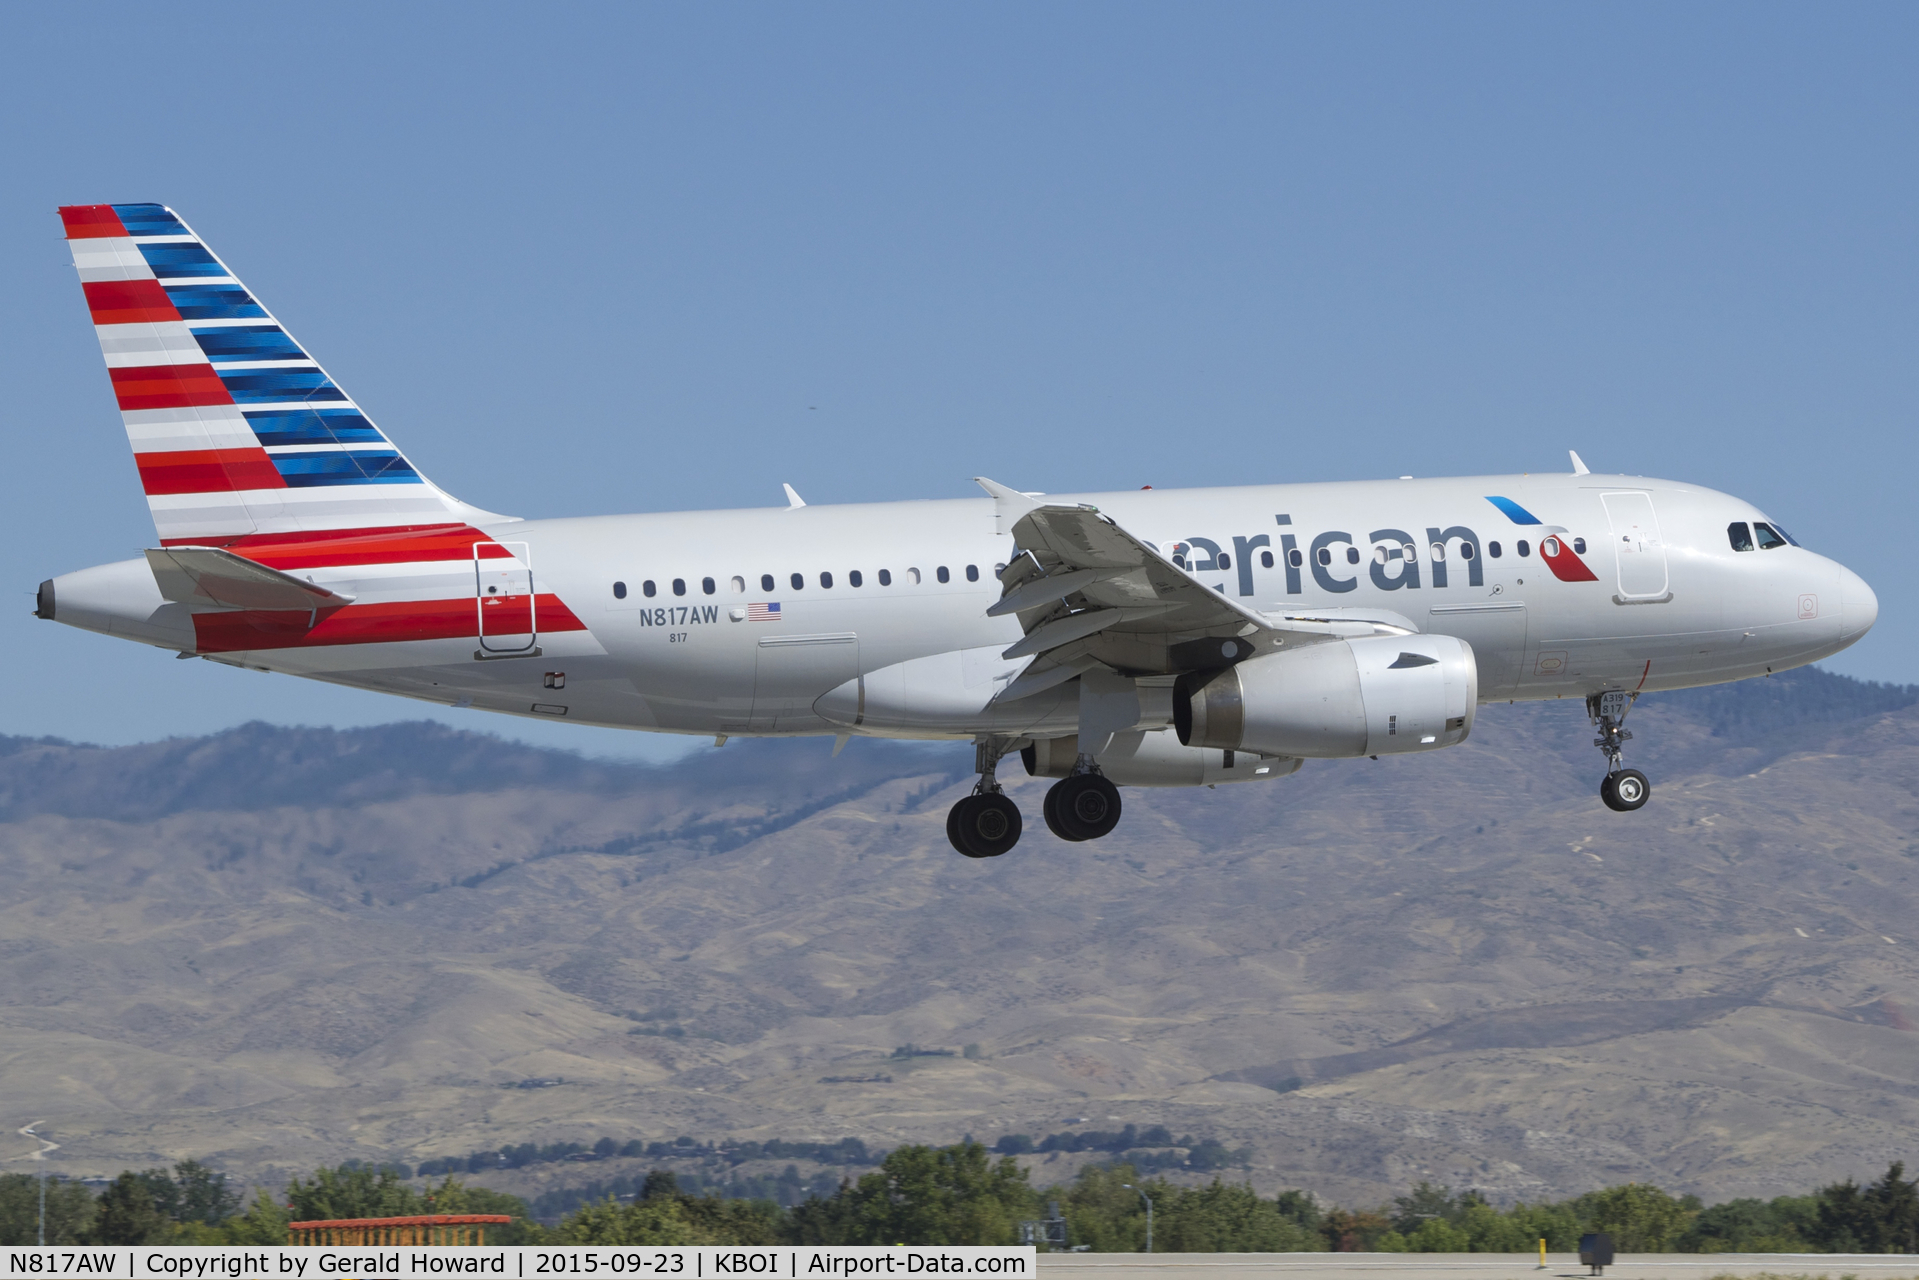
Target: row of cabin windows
[(1383, 554), (1769, 536), (768, 582), (1741, 541)]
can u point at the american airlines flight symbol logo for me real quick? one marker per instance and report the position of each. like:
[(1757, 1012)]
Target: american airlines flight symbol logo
[(1556, 551)]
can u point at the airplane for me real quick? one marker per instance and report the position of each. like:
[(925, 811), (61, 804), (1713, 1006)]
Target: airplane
[(1139, 638)]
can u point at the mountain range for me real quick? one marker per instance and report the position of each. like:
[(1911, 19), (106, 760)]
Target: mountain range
[(275, 947)]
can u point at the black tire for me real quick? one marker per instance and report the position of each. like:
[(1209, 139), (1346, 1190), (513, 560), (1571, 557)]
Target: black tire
[(952, 825), (984, 826), (1051, 810), (1087, 806), (1630, 790), (1606, 795)]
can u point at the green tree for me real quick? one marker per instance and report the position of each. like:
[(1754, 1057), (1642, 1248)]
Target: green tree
[(1348, 1230), (1878, 1218), (353, 1191), (1421, 1205), (655, 1221), (69, 1210), (1557, 1224), (1487, 1230), (264, 1222), (1639, 1217), (1786, 1224), (1436, 1235), (124, 1214), (192, 1193), (454, 1196), (1102, 1212), (1224, 1218), (924, 1196)]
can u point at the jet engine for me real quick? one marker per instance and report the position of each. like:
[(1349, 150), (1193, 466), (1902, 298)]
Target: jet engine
[(1376, 696)]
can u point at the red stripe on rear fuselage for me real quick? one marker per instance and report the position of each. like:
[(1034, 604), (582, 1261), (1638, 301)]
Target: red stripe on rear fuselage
[(369, 624), (340, 547)]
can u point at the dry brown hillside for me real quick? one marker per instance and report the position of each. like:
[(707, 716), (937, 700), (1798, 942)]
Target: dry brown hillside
[(272, 948)]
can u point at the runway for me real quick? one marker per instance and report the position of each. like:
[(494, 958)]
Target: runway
[(1468, 1266)]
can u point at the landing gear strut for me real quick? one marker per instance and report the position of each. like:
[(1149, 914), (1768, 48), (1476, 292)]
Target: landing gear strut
[(986, 823), (1084, 805), (1623, 789)]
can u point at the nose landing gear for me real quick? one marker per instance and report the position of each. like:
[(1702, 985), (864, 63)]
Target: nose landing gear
[(1623, 790), (986, 823)]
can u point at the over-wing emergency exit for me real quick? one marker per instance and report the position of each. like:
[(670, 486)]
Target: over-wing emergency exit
[(1150, 638)]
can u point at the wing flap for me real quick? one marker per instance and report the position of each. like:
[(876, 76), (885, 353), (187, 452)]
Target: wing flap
[(1089, 593)]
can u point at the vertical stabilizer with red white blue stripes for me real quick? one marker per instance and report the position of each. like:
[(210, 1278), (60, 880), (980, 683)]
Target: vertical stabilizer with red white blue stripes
[(236, 430)]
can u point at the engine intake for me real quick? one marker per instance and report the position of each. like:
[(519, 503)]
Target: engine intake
[(1377, 696)]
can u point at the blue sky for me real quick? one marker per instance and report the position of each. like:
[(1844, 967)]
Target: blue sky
[(644, 257)]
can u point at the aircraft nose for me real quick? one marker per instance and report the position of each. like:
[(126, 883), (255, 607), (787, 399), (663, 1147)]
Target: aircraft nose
[(1858, 606)]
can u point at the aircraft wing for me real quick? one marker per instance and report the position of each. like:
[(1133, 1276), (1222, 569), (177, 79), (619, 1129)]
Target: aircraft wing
[(209, 578), (1089, 593)]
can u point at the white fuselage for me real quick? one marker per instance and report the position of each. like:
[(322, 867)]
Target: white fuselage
[(1673, 604)]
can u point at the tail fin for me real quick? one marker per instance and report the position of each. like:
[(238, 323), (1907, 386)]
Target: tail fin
[(236, 430)]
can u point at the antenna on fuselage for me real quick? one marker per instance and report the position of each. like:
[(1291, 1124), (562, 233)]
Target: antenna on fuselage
[(1579, 466), (793, 499)]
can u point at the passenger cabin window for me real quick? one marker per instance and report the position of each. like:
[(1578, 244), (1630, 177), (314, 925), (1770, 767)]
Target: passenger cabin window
[(739, 585), (1325, 555), (619, 591), (1739, 535), (646, 588), (1768, 538), (972, 573), (799, 581), (1222, 562), (1523, 547), (1352, 555), (1579, 546), (854, 578), (766, 582), (1296, 557), (706, 585), (1265, 559), (886, 577), (1466, 551), (942, 574), (679, 586), (1494, 550), (913, 576), (826, 579)]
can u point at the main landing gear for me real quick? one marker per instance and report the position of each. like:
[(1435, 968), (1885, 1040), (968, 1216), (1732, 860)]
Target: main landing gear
[(986, 823), (1084, 806), (1623, 789)]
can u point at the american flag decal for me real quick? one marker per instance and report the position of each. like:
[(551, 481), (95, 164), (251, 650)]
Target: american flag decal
[(763, 612)]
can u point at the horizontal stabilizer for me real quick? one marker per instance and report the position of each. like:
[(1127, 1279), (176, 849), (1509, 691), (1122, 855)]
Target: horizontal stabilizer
[(207, 578)]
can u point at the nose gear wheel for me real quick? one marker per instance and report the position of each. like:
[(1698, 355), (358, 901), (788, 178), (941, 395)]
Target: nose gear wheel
[(1623, 790)]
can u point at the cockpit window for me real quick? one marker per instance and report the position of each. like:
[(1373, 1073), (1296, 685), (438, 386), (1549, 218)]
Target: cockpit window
[(1767, 538), (1780, 529), (1740, 535)]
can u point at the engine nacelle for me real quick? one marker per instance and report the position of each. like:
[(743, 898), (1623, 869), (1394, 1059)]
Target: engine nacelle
[(1155, 758), (1377, 696)]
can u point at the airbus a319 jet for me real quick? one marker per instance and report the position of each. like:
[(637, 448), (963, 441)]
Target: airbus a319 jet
[(1149, 638)]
